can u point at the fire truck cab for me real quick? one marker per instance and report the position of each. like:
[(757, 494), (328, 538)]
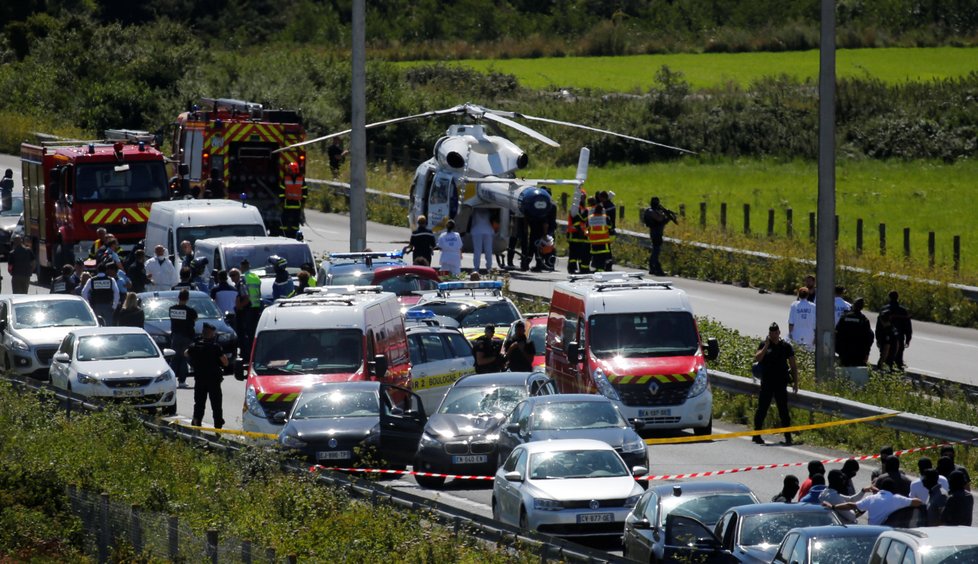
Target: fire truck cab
[(239, 139), (71, 188), (634, 341)]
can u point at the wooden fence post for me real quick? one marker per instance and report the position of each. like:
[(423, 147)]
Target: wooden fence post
[(563, 202), (723, 216), (811, 225), (906, 242), (957, 253), (371, 151), (859, 235), (746, 219), (789, 222), (422, 154), (406, 156), (882, 239), (389, 157), (702, 214), (931, 248), (173, 537), (212, 545), (835, 227), (682, 211), (770, 223)]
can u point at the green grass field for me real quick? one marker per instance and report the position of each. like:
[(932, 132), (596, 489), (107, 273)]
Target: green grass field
[(637, 73)]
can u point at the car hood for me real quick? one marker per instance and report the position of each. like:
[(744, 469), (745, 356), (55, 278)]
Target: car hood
[(588, 488), (614, 436), (295, 383), (458, 425), (123, 368), (162, 326), (45, 335), (8, 222), (326, 427), (622, 366)]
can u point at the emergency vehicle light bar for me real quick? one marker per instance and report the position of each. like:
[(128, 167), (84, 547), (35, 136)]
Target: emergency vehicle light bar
[(419, 314), (470, 285), (349, 290), (364, 255), (605, 276), (622, 284), (130, 135)]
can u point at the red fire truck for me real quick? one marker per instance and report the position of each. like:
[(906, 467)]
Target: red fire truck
[(71, 188), (238, 139)]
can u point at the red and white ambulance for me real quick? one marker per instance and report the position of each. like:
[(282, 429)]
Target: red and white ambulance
[(634, 341)]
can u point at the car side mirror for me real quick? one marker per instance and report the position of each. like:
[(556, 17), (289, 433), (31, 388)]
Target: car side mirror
[(239, 370), (513, 428), (639, 471), (3, 324), (712, 349), (169, 353), (62, 357), (573, 352), (637, 424), (378, 366), (101, 321), (642, 525), (279, 418), (707, 543), (397, 411), (513, 476)]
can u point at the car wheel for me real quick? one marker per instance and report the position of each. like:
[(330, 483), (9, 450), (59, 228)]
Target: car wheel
[(169, 410), (524, 522), (428, 482), (705, 430)]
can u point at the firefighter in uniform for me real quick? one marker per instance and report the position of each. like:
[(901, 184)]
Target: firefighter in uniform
[(208, 361), (248, 308), (579, 252), (600, 239), (283, 287), (183, 321), (102, 293), (293, 196)]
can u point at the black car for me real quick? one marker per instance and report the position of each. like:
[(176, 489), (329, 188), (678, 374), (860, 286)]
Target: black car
[(367, 424), (460, 437), (571, 416), (156, 308)]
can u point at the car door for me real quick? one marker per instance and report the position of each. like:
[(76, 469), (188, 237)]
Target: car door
[(538, 384), (638, 540), (402, 421), (783, 555), (510, 439), (509, 496), (59, 370), (4, 328), (689, 540), (436, 372)]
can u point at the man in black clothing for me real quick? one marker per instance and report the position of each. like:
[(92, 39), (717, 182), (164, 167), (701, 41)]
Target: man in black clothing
[(422, 243), (789, 490), (208, 361), (854, 336), (183, 320), (850, 468), (7, 190), (656, 217), (65, 284), (519, 350), (185, 281), (948, 451), (777, 360), (20, 265), (960, 503), (487, 353), (891, 470), (336, 154), (902, 328), (137, 272)]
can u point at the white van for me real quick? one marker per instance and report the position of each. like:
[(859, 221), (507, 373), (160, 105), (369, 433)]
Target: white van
[(188, 220), (225, 253)]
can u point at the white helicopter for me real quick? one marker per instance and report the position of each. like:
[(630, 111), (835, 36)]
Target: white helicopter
[(473, 169)]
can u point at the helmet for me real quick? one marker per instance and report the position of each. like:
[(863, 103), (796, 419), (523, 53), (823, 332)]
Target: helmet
[(294, 168), (276, 261)]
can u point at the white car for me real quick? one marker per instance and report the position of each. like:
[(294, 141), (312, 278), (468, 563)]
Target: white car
[(119, 363), (32, 326), (567, 488), (927, 545)]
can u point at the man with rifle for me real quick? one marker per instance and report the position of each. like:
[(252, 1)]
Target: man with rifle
[(655, 217)]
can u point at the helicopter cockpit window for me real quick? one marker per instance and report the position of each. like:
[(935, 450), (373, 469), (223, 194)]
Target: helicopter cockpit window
[(441, 190)]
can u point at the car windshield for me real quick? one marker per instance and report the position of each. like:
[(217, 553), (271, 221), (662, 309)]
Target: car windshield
[(469, 400), (770, 528), (51, 313), (351, 278), (408, 284), (706, 509), (499, 313), (113, 347), (636, 335), (569, 464), (538, 335), (308, 351), (108, 182), (347, 403), (210, 231), (295, 255), (576, 415), (16, 207), (960, 554), (158, 308), (842, 550)]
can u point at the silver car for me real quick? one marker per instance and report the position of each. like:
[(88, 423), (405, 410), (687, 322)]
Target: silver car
[(33, 326), (568, 488)]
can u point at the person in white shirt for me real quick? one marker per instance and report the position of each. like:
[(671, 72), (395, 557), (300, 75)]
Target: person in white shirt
[(450, 245), (801, 321), (160, 271), (917, 487), (482, 234), (880, 505), (841, 305), (834, 496)]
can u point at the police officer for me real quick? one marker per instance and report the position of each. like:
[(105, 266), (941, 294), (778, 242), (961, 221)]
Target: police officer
[(854, 336), (65, 284), (223, 293), (422, 243), (183, 320), (599, 238), (283, 286), (656, 217), (579, 248), (102, 292), (208, 361), (777, 360), (247, 307), (488, 357)]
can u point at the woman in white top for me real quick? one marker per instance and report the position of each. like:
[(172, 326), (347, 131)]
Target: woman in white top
[(450, 245)]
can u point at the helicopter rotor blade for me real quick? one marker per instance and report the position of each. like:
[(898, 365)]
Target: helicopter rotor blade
[(434, 113), (605, 131), (493, 116)]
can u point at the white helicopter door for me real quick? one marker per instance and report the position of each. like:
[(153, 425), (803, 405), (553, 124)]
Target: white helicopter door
[(442, 201)]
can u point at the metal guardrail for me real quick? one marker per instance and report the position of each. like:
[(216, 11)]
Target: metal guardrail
[(547, 547)]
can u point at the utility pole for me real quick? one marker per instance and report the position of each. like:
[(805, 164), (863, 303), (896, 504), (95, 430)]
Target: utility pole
[(358, 135), (825, 252)]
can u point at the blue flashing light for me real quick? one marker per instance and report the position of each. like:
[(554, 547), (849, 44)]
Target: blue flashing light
[(419, 314), (470, 285)]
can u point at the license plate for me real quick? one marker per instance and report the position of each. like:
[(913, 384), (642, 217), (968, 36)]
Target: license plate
[(654, 412), (334, 455), (596, 518), (470, 459), (127, 393)]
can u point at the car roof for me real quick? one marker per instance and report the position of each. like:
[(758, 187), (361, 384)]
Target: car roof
[(566, 444), (832, 531), (935, 536), (171, 294), (410, 328), (358, 385), (567, 398), (98, 331), (387, 271), (777, 507), (22, 298), (666, 490), (237, 241), (493, 379)]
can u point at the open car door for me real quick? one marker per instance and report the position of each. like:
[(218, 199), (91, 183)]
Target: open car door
[(402, 421)]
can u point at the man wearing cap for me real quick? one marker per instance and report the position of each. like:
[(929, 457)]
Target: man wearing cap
[(777, 360), (102, 292), (854, 336), (183, 321), (20, 265), (208, 361), (487, 352)]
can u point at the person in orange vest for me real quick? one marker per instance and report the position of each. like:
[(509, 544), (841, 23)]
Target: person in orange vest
[(294, 195), (579, 251), (600, 238)]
